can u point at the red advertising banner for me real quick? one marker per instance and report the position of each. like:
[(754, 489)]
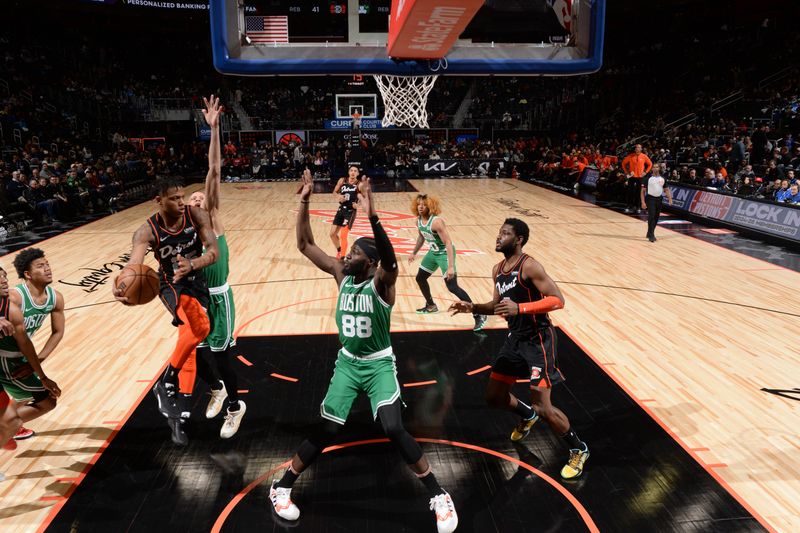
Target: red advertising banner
[(427, 29)]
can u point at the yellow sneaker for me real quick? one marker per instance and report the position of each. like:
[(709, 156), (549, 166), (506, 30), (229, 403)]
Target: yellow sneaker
[(574, 467), (523, 428)]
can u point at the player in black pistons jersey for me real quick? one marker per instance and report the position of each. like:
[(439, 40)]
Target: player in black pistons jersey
[(524, 294), (346, 192), (178, 234)]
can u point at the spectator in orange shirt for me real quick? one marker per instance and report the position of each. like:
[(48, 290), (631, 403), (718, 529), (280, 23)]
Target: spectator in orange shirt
[(230, 149), (605, 162), (636, 166)]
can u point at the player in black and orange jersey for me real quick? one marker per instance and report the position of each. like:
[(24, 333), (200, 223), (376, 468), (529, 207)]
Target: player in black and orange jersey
[(524, 294), (178, 234), (346, 193)]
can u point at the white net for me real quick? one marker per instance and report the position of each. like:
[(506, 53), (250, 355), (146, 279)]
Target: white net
[(405, 99)]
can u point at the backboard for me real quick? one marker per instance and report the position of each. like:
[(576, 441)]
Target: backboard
[(341, 37)]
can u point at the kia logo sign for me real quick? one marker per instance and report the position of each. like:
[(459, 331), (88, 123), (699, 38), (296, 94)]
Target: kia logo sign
[(439, 167)]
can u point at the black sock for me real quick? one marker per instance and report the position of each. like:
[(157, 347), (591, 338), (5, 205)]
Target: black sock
[(233, 405), (288, 479), (216, 385), (573, 441), (523, 410), (431, 484), (223, 363)]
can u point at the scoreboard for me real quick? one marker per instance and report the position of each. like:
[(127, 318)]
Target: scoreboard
[(321, 20)]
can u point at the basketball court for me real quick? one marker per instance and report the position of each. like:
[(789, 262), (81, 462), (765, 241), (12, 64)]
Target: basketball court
[(685, 402), (666, 391)]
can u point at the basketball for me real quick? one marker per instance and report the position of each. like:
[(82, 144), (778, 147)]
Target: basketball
[(139, 283)]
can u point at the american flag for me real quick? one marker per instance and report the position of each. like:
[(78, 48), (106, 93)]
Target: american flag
[(267, 29)]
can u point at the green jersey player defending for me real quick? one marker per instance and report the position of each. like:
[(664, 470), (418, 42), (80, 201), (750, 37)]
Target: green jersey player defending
[(21, 374), (221, 312), (366, 362), (38, 301)]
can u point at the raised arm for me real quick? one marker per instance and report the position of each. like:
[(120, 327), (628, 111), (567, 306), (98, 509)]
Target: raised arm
[(386, 274), (439, 227), (305, 238), (211, 114)]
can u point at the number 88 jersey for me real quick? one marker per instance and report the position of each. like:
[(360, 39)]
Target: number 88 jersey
[(363, 319)]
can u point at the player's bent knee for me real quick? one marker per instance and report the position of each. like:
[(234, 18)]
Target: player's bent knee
[(393, 429), (545, 412), (46, 404)]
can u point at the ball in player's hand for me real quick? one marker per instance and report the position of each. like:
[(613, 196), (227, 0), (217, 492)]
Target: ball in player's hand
[(138, 283)]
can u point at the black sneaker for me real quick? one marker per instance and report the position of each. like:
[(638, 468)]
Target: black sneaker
[(428, 309), (480, 321), (178, 434), (167, 403)]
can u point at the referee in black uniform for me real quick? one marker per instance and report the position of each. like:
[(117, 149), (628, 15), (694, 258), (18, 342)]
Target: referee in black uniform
[(652, 190)]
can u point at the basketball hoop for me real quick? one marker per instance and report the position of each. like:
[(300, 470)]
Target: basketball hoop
[(405, 99)]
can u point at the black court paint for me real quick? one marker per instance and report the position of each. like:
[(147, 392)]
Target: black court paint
[(637, 478)]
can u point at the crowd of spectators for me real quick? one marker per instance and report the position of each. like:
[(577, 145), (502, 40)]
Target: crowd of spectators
[(70, 153)]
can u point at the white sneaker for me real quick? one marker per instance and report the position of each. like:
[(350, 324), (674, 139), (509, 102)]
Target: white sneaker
[(216, 401), (445, 511), (232, 421), (282, 502)]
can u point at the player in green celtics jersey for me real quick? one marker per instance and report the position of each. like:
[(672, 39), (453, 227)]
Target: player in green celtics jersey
[(37, 300), (366, 279), (441, 254), (31, 392), (220, 375)]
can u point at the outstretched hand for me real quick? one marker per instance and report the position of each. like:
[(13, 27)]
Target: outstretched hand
[(212, 110), (461, 307), (365, 196), (308, 185)]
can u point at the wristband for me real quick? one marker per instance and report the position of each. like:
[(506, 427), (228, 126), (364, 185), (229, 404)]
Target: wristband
[(545, 305), (305, 201)]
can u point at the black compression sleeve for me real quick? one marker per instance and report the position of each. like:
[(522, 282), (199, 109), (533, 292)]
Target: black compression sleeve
[(384, 245)]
